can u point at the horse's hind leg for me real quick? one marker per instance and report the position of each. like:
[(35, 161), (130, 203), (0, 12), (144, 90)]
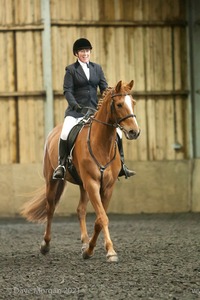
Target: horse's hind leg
[(54, 191), (81, 211)]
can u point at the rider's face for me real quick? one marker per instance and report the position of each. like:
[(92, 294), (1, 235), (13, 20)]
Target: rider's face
[(84, 55)]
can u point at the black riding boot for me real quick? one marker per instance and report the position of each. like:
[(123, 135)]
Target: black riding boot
[(60, 171), (124, 170)]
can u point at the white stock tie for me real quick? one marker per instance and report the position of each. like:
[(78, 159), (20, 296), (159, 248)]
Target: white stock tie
[(86, 69)]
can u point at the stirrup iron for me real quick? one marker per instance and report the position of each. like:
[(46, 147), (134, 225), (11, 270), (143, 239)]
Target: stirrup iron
[(64, 171)]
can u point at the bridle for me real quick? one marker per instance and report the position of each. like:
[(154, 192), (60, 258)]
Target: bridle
[(116, 124)]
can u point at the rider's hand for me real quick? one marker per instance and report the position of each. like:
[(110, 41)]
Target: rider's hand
[(77, 108)]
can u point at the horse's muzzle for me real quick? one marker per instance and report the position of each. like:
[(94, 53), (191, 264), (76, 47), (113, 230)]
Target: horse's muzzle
[(132, 134)]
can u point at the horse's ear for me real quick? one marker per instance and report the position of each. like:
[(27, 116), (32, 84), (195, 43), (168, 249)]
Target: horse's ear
[(118, 87), (130, 84)]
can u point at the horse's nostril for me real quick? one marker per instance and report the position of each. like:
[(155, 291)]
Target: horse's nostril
[(134, 133)]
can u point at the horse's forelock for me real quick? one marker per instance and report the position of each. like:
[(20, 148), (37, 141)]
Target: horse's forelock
[(123, 87)]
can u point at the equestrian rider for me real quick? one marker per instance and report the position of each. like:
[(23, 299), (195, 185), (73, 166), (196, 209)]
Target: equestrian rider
[(81, 81)]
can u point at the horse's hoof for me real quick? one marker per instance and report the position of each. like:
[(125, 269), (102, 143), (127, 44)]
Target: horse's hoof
[(84, 247), (112, 258), (44, 248), (85, 255)]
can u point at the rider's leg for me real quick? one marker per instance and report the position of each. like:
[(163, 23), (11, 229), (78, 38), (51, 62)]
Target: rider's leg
[(124, 170), (59, 172)]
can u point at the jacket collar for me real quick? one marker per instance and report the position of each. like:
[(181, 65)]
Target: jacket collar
[(79, 69), (77, 64)]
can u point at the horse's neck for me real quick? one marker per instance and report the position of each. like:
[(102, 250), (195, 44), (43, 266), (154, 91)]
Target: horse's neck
[(103, 135)]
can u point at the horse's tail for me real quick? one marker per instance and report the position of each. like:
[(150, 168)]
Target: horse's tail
[(35, 209)]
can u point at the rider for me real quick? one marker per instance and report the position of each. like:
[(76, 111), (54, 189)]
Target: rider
[(80, 89)]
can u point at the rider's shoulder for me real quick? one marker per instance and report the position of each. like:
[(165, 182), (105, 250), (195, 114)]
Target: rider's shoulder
[(72, 66)]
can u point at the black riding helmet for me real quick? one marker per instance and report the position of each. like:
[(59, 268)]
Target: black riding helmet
[(81, 44)]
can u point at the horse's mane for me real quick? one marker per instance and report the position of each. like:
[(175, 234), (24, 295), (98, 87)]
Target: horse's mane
[(103, 96)]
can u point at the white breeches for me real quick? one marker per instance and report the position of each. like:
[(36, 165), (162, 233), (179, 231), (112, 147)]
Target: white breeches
[(70, 122)]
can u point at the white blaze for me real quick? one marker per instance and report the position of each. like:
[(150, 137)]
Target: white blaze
[(128, 101)]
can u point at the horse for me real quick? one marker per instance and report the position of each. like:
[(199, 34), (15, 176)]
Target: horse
[(97, 161)]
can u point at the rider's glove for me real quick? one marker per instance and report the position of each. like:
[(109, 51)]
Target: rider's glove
[(77, 108)]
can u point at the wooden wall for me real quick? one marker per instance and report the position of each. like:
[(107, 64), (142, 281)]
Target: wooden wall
[(21, 102), (144, 40)]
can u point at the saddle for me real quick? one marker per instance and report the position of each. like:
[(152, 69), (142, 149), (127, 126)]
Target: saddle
[(70, 146)]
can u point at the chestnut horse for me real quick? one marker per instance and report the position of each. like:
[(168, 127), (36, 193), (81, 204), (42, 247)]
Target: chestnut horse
[(97, 162)]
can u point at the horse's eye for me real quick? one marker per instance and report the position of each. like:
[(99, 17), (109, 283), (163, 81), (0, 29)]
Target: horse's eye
[(119, 105)]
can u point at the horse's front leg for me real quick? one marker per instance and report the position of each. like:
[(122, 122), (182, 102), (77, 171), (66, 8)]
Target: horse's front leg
[(111, 253), (101, 223), (81, 211), (89, 249), (100, 204)]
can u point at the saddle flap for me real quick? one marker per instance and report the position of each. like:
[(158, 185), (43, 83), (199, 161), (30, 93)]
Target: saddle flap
[(73, 135), (70, 144)]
